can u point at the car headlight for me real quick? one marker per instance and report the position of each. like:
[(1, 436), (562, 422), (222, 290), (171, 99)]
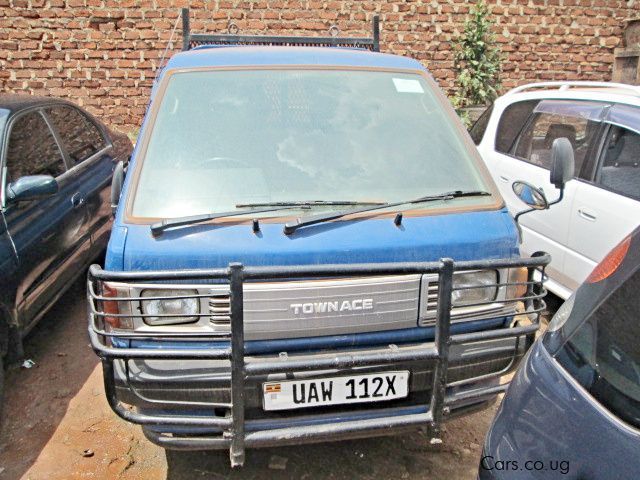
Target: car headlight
[(177, 305), (562, 314), (470, 288)]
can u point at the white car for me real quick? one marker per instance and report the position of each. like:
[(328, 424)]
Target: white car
[(602, 203)]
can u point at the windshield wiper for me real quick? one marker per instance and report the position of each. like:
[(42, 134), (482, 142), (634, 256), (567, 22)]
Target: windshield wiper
[(159, 227), (307, 203), (289, 228)]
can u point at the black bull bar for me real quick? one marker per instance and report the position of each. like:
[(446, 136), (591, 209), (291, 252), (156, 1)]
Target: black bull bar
[(234, 436)]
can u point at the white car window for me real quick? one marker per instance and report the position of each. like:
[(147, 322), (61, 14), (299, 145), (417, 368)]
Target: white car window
[(478, 128), (512, 122), (620, 166), (576, 121)]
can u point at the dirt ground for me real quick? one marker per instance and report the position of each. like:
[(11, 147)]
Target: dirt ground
[(56, 411)]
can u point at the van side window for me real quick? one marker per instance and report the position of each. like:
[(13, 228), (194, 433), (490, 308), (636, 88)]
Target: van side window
[(603, 354), (535, 142), (620, 167), (32, 149), (511, 122), (478, 128), (81, 138)]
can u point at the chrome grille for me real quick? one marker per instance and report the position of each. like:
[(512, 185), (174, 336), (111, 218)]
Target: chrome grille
[(220, 310), (429, 306), (432, 298), (304, 308)]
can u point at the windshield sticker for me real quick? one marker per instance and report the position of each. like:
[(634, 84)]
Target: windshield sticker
[(405, 85)]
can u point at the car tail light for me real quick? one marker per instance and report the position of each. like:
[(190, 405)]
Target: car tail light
[(610, 263)]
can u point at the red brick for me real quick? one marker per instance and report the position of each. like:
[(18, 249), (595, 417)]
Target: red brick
[(90, 50)]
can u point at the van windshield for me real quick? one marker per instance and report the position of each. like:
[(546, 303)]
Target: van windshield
[(227, 138)]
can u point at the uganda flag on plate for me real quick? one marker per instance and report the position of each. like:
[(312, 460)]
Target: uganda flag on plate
[(272, 388)]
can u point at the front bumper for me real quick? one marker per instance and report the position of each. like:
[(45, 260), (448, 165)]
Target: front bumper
[(218, 405), (148, 384)]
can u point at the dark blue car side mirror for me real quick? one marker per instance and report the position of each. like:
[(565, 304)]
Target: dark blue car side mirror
[(31, 187)]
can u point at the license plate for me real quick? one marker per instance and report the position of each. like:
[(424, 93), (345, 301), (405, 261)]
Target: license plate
[(373, 387)]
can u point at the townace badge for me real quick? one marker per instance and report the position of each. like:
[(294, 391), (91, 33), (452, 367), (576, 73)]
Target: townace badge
[(332, 306)]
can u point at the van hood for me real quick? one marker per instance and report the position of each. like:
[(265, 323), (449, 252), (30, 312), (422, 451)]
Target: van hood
[(461, 236)]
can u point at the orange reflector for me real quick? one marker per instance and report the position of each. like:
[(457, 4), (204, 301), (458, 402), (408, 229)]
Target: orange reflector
[(110, 307), (519, 276), (610, 263)]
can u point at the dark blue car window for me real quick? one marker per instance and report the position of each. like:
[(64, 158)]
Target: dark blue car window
[(603, 354), (81, 138), (4, 115), (32, 149)]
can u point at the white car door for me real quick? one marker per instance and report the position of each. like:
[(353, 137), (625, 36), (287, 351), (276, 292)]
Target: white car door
[(496, 135), (607, 209), (528, 158)]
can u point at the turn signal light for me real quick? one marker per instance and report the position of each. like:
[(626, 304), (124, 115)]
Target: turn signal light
[(610, 263), (518, 276), (110, 306)]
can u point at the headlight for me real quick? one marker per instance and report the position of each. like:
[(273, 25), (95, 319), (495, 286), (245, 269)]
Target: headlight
[(178, 310), (562, 315), (469, 295)]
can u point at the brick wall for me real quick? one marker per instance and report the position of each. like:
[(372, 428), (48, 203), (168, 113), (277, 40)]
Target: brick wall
[(104, 54)]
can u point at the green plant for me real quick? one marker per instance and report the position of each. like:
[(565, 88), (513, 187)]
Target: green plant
[(477, 60), (133, 134)]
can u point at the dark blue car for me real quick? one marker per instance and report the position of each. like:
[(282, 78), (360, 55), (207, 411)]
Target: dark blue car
[(57, 163), (573, 409)]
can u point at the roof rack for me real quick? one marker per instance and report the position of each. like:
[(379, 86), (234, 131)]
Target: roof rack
[(566, 85), (193, 40)]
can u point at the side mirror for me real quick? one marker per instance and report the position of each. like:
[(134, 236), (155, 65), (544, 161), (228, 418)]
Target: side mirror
[(116, 186), (562, 162), (31, 187), (532, 196), (562, 169)]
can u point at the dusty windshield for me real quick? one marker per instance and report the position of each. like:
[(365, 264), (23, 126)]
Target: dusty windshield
[(227, 138)]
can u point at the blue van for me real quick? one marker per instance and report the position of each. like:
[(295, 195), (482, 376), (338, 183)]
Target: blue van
[(307, 247)]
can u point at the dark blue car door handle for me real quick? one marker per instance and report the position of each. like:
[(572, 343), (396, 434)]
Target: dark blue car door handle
[(77, 200)]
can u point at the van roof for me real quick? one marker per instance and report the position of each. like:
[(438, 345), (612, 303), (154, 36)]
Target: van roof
[(243, 56)]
